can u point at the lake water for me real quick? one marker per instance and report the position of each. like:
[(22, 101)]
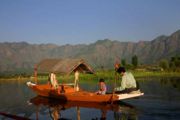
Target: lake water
[(160, 102)]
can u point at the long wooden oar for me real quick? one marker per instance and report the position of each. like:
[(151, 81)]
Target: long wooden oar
[(13, 116), (115, 80)]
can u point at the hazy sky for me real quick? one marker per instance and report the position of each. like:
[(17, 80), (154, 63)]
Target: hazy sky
[(86, 21)]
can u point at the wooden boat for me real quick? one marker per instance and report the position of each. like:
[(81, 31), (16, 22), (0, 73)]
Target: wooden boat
[(70, 94), (66, 92)]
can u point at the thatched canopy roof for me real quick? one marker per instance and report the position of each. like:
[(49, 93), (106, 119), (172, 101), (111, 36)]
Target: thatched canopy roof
[(63, 66)]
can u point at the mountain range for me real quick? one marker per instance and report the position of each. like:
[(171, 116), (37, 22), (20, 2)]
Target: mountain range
[(21, 56)]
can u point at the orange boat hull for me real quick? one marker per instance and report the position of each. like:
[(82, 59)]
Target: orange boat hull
[(72, 95)]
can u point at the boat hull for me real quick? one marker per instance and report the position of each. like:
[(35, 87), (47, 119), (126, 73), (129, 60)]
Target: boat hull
[(70, 94)]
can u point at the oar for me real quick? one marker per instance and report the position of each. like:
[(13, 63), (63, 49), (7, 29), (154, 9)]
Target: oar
[(13, 116), (114, 87), (116, 66)]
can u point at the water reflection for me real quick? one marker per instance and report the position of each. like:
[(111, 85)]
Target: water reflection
[(161, 101), (56, 108), (173, 82)]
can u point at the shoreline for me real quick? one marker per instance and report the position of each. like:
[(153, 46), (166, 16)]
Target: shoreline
[(101, 74)]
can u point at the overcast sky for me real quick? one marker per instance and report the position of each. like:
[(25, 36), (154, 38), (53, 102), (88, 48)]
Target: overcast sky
[(86, 21)]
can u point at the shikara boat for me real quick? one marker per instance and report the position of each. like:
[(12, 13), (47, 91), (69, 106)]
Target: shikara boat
[(70, 94)]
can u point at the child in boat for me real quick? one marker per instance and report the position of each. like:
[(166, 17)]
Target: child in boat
[(102, 87)]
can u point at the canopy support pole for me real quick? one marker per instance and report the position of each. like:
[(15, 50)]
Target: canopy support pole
[(76, 80), (35, 74)]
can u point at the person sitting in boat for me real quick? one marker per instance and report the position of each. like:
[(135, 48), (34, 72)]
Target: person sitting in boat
[(102, 87), (128, 83)]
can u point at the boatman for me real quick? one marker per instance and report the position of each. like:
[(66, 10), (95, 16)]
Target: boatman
[(128, 83)]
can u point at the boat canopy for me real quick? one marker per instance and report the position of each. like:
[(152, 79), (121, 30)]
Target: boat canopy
[(64, 66)]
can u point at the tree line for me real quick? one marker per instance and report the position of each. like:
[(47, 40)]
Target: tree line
[(173, 64), (134, 62), (167, 65)]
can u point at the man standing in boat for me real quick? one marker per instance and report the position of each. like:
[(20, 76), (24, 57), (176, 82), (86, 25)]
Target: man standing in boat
[(128, 83)]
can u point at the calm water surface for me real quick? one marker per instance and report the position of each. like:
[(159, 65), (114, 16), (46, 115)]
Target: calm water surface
[(160, 102)]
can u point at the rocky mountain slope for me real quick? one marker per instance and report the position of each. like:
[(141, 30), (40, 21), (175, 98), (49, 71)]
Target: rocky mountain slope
[(22, 56)]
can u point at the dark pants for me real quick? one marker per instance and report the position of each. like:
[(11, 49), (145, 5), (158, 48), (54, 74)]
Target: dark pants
[(127, 90)]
